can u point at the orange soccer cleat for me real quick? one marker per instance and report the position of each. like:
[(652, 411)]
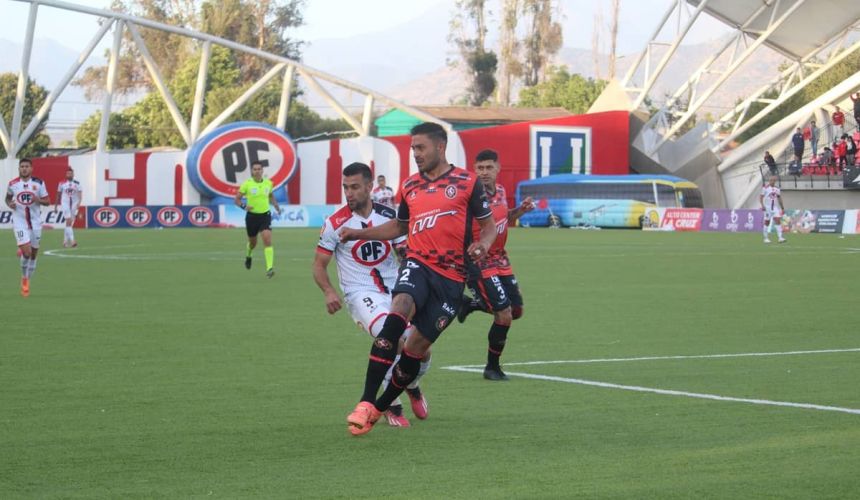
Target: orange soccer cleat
[(362, 418), (25, 287)]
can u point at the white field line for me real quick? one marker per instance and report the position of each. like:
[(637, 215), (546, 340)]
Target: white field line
[(661, 358), (667, 392)]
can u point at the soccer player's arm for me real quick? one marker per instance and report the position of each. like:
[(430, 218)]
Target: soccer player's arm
[(391, 230), (325, 249), (78, 202), (237, 200), (761, 200), (44, 198), (59, 196), (526, 206), (274, 202), (9, 202), (481, 208)]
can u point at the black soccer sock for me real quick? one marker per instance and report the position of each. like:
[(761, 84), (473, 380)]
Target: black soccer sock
[(497, 337), (382, 354), (403, 374)]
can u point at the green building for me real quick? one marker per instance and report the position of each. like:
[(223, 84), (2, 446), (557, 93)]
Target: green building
[(397, 122)]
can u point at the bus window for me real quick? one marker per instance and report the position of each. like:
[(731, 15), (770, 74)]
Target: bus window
[(666, 196), (690, 198)]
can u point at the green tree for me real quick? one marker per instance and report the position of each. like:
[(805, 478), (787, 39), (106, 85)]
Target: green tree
[(572, 92), (36, 95), (480, 62), (121, 132), (543, 40)]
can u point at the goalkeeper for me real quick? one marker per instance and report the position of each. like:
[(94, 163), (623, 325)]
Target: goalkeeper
[(254, 196)]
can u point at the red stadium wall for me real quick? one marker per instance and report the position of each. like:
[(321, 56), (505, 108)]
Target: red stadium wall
[(160, 178)]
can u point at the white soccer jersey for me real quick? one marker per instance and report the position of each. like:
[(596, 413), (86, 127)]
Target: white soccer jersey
[(770, 199), (70, 194), (362, 266), (26, 195), (383, 196)]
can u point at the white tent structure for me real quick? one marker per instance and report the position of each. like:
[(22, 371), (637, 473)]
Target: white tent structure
[(812, 35)]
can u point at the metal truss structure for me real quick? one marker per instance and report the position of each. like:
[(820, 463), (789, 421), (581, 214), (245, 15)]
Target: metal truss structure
[(287, 70), (813, 36)]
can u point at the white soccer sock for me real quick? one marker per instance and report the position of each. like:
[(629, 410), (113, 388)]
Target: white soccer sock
[(765, 230), (69, 234), (779, 231), (31, 268), (25, 267), (425, 365)]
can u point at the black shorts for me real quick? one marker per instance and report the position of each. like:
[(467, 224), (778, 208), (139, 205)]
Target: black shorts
[(254, 223), (436, 297), (497, 292)]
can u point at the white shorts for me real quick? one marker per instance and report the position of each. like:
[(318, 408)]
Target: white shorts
[(368, 310), (772, 214), (25, 235), (68, 214)]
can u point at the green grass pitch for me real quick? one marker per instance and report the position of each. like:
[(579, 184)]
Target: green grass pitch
[(151, 364)]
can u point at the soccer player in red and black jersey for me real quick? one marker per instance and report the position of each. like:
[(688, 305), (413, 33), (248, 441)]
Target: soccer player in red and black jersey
[(492, 281), (437, 208)]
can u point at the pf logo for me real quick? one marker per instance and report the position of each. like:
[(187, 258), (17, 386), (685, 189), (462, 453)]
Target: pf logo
[(220, 161), (169, 216), (106, 216), (25, 198), (138, 216), (201, 216), (370, 253)]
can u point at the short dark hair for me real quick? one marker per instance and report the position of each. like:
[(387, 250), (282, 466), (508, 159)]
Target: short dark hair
[(487, 154), (25, 160), (256, 162), (380, 176), (430, 129), (356, 168)]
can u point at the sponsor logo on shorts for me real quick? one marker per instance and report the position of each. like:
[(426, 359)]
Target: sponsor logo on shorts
[(448, 308), (441, 323)]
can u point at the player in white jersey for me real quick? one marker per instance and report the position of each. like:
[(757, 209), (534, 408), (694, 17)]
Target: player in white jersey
[(366, 270), (25, 196), (383, 194), (68, 200), (771, 202)]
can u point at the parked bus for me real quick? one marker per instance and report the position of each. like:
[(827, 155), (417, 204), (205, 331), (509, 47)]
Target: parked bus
[(573, 200)]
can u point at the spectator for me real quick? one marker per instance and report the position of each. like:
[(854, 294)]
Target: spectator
[(814, 134), (851, 150), (855, 98), (841, 149), (827, 157), (838, 118), (797, 142), (771, 163)]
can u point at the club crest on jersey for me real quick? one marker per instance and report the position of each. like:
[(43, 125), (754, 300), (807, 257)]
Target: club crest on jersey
[(370, 253), (451, 192), (220, 161)]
